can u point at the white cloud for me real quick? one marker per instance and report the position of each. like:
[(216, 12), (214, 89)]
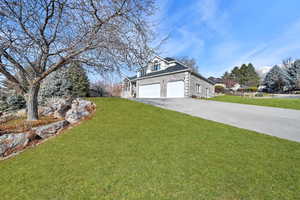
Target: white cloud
[(207, 10), (287, 44), (183, 40), (263, 56), (205, 23), (213, 17), (186, 41)]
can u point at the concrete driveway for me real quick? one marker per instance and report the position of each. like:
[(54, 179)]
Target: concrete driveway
[(283, 123)]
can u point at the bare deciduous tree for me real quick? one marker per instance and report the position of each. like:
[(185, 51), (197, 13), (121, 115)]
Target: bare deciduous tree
[(38, 37), (189, 62)]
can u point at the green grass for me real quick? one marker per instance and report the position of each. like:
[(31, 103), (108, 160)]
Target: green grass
[(272, 102), (129, 150)]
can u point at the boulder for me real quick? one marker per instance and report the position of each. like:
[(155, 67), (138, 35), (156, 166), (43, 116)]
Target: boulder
[(79, 109), (57, 107), (50, 129), (7, 117), (46, 111), (11, 142)]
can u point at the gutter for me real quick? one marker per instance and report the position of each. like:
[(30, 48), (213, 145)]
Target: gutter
[(200, 76), (145, 77)]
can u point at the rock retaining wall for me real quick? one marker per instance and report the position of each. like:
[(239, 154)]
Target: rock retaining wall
[(72, 112)]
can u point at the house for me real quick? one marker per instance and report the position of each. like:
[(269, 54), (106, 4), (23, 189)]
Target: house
[(166, 78), (217, 81), (226, 84), (235, 87)]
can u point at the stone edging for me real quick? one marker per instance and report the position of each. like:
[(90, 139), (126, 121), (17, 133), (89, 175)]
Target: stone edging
[(15, 143)]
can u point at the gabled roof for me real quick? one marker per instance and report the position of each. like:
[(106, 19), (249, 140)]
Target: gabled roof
[(174, 68), (177, 67), (216, 80)]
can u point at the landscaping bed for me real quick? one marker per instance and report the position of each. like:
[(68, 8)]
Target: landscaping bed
[(16, 133), (20, 124)]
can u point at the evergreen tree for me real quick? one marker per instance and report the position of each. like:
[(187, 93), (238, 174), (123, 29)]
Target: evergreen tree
[(68, 81), (252, 79), (79, 80), (225, 76), (277, 80), (235, 74), (57, 84), (245, 75), (294, 73)]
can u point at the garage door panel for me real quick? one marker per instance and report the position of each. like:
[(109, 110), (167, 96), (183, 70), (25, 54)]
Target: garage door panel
[(149, 91), (175, 89)]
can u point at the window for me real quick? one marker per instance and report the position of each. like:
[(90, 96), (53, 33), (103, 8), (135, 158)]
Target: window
[(198, 88), (156, 66)]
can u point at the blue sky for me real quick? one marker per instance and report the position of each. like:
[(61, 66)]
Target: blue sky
[(221, 34)]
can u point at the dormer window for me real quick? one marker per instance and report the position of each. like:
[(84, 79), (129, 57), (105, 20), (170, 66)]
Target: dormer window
[(156, 66)]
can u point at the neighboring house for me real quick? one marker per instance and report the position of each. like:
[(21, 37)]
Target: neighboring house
[(167, 78), (235, 87), (232, 85), (227, 84), (217, 81)]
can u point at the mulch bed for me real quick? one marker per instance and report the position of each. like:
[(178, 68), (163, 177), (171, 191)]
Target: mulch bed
[(20, 125)]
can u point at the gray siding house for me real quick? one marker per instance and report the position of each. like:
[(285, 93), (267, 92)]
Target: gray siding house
[(167, 78)]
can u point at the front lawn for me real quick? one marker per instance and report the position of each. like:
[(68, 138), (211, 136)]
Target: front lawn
[(272, 102), (130, 150)]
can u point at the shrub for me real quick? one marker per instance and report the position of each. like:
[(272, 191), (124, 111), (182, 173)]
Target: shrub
[(259, 94), (15, 102), (219, 89), (249, 89)]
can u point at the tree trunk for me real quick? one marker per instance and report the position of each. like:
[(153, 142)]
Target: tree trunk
[(32, 102)]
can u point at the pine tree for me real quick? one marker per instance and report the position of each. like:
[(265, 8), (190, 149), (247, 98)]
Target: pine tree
[(79, 79), (235, 74), (294, 73), (252, 76), (277, 80), (225, 76), (243, 74)]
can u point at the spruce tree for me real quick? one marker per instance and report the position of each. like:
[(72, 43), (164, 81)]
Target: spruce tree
[(79, 80), (277, 80), (57, 84), (68, 81), (294, 73)]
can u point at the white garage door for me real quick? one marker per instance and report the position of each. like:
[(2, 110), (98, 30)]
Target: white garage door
[(149, 91), (175, 89)]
